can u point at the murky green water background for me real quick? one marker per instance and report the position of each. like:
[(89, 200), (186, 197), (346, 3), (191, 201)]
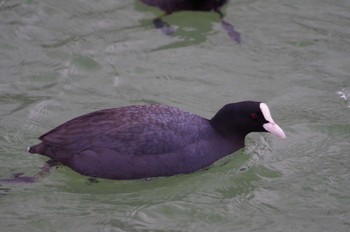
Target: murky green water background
[(60, 59)]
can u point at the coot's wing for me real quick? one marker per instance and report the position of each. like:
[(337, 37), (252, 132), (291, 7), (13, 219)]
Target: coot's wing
[(148, 129)]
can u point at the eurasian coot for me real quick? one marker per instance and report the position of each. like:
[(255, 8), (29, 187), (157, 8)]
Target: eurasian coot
[(171, 6), (152, 140)]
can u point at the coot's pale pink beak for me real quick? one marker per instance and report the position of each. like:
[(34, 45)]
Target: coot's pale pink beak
[(271, 126)]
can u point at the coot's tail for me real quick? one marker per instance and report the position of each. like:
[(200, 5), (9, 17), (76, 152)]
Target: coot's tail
[(36, 149), (49, 150), (42, 149)]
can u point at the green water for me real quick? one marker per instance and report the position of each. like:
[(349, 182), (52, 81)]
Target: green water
[(61, 59)]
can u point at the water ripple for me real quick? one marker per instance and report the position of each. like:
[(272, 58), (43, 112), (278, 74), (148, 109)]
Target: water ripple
[(344, 94)]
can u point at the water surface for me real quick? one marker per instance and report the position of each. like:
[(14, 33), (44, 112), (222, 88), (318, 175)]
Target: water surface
[(61, 59)]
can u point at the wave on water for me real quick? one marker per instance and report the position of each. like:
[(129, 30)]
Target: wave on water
[(344, 94)]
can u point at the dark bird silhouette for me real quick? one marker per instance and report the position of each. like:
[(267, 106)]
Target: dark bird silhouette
[(171, 6), (144, 141)]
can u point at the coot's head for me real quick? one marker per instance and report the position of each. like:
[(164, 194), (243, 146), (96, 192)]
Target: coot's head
[(239, 119)]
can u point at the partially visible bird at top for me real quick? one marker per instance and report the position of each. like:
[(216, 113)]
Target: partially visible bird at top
[(171, 6)]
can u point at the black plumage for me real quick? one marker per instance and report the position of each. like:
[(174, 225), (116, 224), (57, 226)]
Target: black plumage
[(152, 140), (172, 6)]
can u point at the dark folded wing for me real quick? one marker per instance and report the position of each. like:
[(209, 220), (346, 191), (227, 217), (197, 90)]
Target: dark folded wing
[(152, 129)]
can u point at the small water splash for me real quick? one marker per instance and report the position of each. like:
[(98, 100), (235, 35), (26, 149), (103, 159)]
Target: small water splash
[(344, 94)]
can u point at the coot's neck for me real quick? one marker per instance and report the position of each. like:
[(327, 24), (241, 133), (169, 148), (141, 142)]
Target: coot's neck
[(228, 128)]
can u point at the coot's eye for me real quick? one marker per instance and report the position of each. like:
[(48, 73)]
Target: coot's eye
[(254, 116)]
